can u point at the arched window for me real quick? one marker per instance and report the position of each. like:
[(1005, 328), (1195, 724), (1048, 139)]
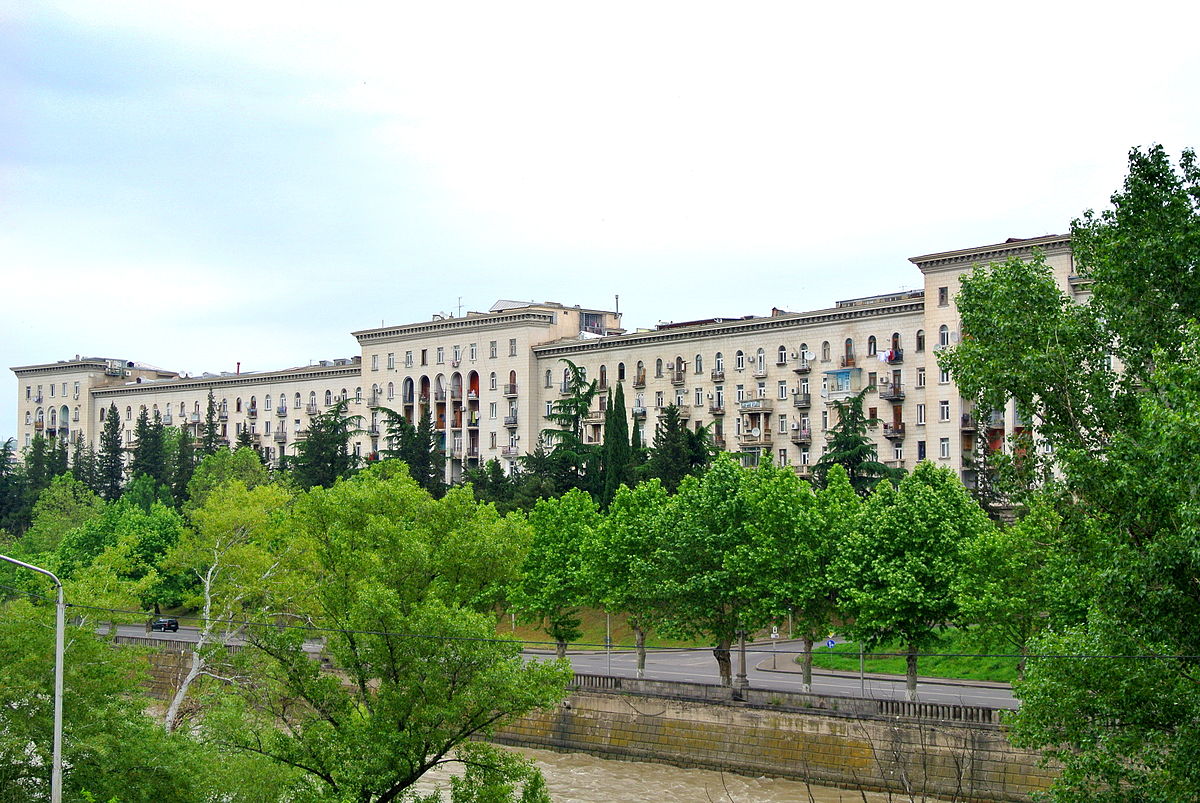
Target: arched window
[(391, 390), (603, 376), (328, 398), (871, 346), (358, 394), (849, 349), (344, 396), (825, 351), (53, 417), (312, 398), (658, 367), (719, 362), (739, 360), (549, 378), (943, 335), (760, 361), (920, 340), (128, 413), (492, 381), (253, 404), (296, 402), (566, 377), (641, 371), (781, 356), (28, 418), (895, 341), (237, 405), (620, 372), (699, 368), (267, 402)]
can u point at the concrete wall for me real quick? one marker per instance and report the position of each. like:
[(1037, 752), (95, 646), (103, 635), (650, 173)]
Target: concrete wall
[(910, 756)]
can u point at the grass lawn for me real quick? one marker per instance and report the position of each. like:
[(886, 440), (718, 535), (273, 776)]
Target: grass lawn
[(593, 634), (957, 664)]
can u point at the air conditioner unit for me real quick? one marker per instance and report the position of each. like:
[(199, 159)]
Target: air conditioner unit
[(795, 355), (710, 396), (795, 425)]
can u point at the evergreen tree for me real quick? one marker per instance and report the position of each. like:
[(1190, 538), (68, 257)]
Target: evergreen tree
[(58, 463), (38, 470), (83, 462), (575, 461), (149, 451), (324, 455), (111, 460), (618, 451), (852, 448), (243, 439), (417, 448), (13, 511), (185, 466), (210, 440), (671, 456)]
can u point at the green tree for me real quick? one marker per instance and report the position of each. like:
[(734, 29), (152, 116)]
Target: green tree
[(672, 456), (617, 459), (14, 510), (852, 448), (324, 455), (575, 462), (111, 460), (417, 447), (38, 469), (62, 507), (149, 453), (380, 564), (220, 467), (210, 437), (896, 571), (618, 565), (83, 462), (552, 589), (184, 466)]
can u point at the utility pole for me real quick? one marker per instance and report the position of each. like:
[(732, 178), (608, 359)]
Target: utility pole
[(59, 626)]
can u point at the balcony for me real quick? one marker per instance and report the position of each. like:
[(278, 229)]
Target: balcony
[(802, 367), (280, 437), (252, 412), (301, 434), (716, 409), (594, 417), (473, 421), (894, 463), (439, 396), (281, 411), (893, 430), (39, 425), (510, 421), (564, 389), (894, 356), (719, 441), (472, 395), (756, 405), (760, 372), (311, 409), (222, 415), (373, 430), (168, 420), (718, 376), (685, 413), (423, 398), (511, 452), (472, 452), (803, 471), (678, 377), (639, 412), (510, 391), (848, 362), (893, 392), (639, 381), (967, 423), (748, 440), (194, 418), (373, 400), (802, 400), (801, 437)]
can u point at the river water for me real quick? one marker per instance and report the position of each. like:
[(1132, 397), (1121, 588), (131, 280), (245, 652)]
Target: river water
[(580, 778)]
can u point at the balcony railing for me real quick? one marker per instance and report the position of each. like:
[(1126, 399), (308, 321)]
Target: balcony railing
[(639, 381), (194, 418), (894, 463), (716, 409), (510, 451), (848, 362), (718, 375), (893, 429), (967, 423), (685, 413), (802, 367), (749, 439), (281, 411), (678, 377), (756, 405), (803, 471), (510, 390), (719, 441), (168, 420), (639, 412), (801, 437), (252, 412), (894, 356), (473, 421), (280, 437), (802, 400), (564, 388), (892, 392), (374, 399), (311, 409), (760, 371), (472, 452), (510, 421), (456, 394), (439, 396), (39, 425), (594, 417), (373, 430)]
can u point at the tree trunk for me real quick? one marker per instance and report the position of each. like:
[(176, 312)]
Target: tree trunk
[(724, 664), (560, 648), (639, 638), (806, 664), (910, 677), (194, 670), (1021, 662)]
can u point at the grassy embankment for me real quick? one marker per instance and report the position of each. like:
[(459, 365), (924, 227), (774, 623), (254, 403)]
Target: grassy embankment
[(957, 662)]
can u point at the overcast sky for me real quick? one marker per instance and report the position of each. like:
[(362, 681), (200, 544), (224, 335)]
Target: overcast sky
[(197, 184)]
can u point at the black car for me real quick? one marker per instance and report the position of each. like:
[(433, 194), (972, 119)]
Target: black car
[(164, 624)]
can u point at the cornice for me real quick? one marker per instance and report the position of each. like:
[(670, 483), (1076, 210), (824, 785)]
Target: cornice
[(480, 322), (60, 367), (953, 260), (730, 328), (237, 380)]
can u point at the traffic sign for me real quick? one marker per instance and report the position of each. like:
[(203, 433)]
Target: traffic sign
[(830, 643)]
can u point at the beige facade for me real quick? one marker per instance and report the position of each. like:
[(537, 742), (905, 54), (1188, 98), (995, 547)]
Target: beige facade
[(762, 385)]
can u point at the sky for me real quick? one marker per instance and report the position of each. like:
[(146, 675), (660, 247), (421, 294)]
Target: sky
[(193, 185)]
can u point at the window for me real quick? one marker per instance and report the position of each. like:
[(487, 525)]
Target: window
[(440, 357), (898, 451), (408, 359), (825, 351), (943, 296), (872, 412), (943, 335), (944, 448), (849, 351), (492, 349), (328, 399), (658, 367), (658, 398), (739, 360), (424, 357), (493, 409), (699, 367), (920, 340), (391, 391), (920, 450), (680, 397), (296, 403), (52, 386), (603, 377), (944, 410), (782, 424), (473, 351), (741, 392), (492, 438), (374, 362), (699, 397), (872, 380), (944, 376), (391, 364), (620, 372), (781, 356), (825, 420), (760, 361), (549, 409), (128, 413), (719, 397), (783, 457), (920, 415), (762, 390), (492, 381), (512, 347), (871, 346), (920, 377), (549, 378), (804, 457), (28, 391), (719, 362), (267, 402), (783, 389)]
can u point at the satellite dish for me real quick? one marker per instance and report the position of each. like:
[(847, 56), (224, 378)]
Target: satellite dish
[(808, 355), (756, 432)]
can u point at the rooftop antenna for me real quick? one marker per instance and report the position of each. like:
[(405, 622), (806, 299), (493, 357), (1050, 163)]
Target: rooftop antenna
[(460, 306), (617, 303)]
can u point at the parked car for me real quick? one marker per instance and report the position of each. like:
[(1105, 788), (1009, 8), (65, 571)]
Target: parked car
[(165, 623)]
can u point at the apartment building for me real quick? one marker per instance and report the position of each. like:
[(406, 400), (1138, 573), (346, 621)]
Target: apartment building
[(762, 385)]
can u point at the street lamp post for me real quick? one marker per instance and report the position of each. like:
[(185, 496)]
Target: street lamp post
[(59, 627), (741, 683)]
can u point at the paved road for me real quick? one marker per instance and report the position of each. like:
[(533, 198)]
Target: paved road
[(699, 666)]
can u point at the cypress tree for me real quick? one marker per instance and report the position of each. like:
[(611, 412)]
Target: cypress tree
[(210, 441), (111, 460), (149, 452), (618, 450), (83, 462), (185, 466)]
